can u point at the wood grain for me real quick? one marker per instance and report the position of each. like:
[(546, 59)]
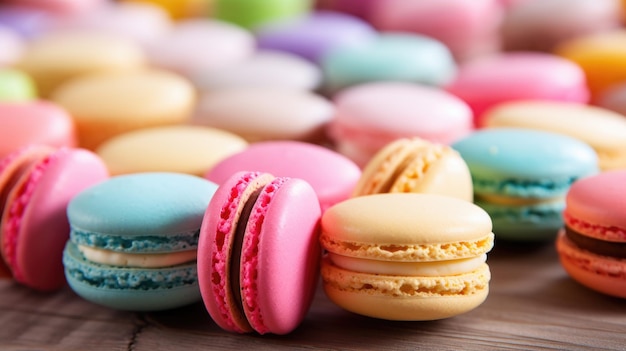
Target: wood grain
[(533, 304)]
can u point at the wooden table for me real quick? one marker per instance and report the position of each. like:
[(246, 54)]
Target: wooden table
[(532, 305)]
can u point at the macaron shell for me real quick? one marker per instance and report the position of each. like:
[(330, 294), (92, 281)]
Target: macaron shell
[(600, 201), (405, 298), (604, 274), (44, 227), (288, 257)]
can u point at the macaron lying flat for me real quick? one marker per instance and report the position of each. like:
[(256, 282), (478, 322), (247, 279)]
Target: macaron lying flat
[(133, 241), (258, 256), (36, 184), (592, 244), (416, 166), (521, 176), (421, 258)]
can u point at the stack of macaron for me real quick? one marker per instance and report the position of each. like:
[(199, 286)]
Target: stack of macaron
[(178, 151)]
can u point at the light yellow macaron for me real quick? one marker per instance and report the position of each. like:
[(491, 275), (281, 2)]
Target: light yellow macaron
[(55, 58), (602, 129), (406, 256), (416, 166), (184, 149), (107, 104)]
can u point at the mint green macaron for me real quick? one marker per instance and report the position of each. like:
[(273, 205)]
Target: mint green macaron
[(251, 14), (16, 86), (133, 240)]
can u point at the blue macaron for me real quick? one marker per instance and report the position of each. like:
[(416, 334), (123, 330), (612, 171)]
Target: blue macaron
[(521, 176), (133, 240)]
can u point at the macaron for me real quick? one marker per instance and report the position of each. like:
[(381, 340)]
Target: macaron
[(404, 57), (416, 166), (251, 14), (16, 85), (602, 129), (182, 149), (493, 79), (520, 177), (134, 238), (258, 256), (313, 35), (591, 244), (11, 46), (106, 104), (370, 116), (421, 258), (34, 122), (266, 114), (36, 184), (332, 175), (468, 28), (27, 22), (57, 57), (181, 9)]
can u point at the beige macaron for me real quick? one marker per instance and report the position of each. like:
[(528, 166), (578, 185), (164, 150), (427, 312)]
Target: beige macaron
[(416, 166), (182, 148), (602, 129), (104, 105), (57, 57), (406, 256)]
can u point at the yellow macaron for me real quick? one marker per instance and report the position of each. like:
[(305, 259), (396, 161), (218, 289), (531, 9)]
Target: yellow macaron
[(406, 256)]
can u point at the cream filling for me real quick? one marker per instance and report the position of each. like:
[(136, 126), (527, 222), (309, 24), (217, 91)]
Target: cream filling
[(425, 269), (122, 259)]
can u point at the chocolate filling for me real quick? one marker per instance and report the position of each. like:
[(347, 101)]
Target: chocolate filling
[(597, 246), (235, 263)]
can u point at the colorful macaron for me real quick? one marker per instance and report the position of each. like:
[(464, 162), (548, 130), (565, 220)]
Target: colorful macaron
[(406, 256), (258, 256), (134, 238), (592, 244), (36, 184), (520, 177), (332, 175), (416, 166)]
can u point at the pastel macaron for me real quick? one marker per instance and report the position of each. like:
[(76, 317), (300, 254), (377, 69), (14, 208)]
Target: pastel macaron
[(315, 34), (332, 175), (521, 177), (55, 58), (36, 184), (11, 46), (180, 9), (591, 244), (404, 57), (16, 85), (469, 29), (414, 165), (370, 116), (183, 149), (421, 258), (251, 14), (490, 80), (134, 239), (103, 105), (34, 122), (258, 256), (603, 129), (266, 114)]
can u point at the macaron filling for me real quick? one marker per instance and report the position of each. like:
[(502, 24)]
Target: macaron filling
[(596, 246), (121, 259), (427, 269)]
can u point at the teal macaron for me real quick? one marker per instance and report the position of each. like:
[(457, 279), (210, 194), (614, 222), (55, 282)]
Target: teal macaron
[(134, 238), (521, 176)]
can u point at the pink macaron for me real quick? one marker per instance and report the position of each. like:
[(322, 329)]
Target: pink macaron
[(332, 175), (592, 245), (36, 184), (258, 256), (39, 122), (490, 80), (370, 116)]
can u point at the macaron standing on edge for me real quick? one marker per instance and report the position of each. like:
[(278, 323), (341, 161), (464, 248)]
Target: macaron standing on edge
[(421, 258), (133, 240), (258, 255), (591, 244), (36, 184)]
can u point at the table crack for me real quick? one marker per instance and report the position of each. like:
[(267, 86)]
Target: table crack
[(140, 323)]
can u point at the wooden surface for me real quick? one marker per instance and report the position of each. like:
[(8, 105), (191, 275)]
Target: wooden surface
[(532, 305)]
